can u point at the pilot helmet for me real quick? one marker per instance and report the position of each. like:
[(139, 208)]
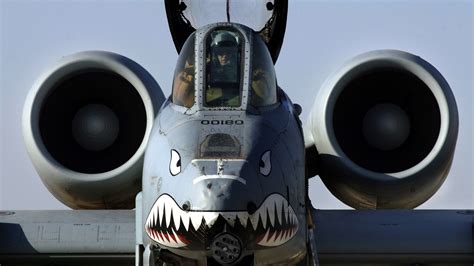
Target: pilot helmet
[(224, 39)]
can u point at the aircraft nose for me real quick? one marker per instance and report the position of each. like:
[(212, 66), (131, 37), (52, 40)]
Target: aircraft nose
[(230, 187)]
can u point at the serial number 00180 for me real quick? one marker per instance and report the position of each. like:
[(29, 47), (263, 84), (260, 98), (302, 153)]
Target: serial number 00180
[(222, 122)]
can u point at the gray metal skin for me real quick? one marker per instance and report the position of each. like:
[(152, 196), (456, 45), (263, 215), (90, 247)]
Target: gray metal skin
[(395, 237), (81, 232), (213, 189)]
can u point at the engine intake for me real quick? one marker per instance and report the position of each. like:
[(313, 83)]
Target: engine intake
[(86, 123), (385, 127)]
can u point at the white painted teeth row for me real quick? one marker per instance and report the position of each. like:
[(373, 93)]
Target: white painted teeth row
[(168, 239), (274, 204), (166, 206), (277, 238)]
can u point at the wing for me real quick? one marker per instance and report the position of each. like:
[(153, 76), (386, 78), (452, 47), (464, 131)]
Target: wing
[(102, 237), (407, 237), (342, 236)]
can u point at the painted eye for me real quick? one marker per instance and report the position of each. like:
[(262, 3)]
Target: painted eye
[(175, 163), (265, 163)]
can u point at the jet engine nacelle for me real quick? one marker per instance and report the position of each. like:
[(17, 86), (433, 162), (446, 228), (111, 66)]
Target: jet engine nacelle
[(384, 128), (86, 123)]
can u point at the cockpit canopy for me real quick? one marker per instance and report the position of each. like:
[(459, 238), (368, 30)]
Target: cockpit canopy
[(266, 18), (225, 66)]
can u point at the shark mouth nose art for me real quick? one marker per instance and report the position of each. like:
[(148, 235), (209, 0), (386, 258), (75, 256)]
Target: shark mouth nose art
[(272, 224)]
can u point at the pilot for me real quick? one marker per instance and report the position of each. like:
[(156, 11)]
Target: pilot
[(225, 47), (223, 70)]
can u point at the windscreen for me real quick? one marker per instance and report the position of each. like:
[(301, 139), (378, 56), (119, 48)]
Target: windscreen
[(183, 83), (263, 84), (223, 68)]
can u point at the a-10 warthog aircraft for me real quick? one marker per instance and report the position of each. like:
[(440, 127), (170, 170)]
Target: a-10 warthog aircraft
[(218, 172)]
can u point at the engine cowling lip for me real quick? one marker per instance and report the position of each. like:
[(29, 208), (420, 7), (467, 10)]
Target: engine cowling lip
[(391, 58), (69, 65)]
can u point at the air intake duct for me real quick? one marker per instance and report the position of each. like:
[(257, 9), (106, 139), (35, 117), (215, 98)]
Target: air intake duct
[(86, 123), (385, 127)]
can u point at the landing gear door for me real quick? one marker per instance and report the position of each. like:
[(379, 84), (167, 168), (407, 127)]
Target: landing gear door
[(268, 18)]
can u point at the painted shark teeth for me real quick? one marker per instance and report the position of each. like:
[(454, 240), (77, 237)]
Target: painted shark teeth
[(275, 216), (243, 218), (273, 238)]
